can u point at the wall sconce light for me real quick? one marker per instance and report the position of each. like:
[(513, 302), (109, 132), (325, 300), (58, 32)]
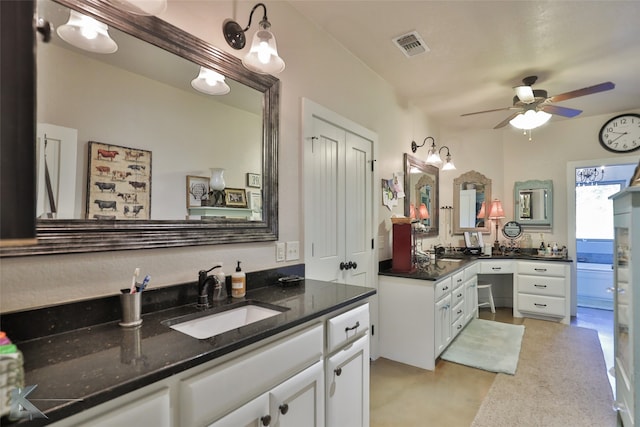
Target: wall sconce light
[(433, 155), (263, 55), (86, 33), (210, 82), (496, 213)]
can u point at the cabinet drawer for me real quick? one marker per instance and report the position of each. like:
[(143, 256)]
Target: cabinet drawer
[(542, 268), (457, 295), (496, 267), (457, 326), (552, 286), (543, 305), (443, 287), (457, 312), (457, 279), (471, 271), (344, 327)]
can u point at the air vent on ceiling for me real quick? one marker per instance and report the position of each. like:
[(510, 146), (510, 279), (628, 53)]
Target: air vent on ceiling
[(411, 44)]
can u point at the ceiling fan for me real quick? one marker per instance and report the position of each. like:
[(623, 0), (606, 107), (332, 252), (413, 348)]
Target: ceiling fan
[(529, 99)]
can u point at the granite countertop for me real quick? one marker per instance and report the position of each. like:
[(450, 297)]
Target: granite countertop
[(99, 363), (443, 267)]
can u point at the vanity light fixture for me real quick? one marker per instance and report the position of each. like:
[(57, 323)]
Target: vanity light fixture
[(87, 33), (433, 155), (496, 213), (210, 82), (263, 54)]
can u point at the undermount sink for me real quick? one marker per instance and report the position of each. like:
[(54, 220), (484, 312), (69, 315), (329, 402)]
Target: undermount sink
[(204, 325)]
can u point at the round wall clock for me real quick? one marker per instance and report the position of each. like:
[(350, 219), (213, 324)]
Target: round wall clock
[(621, 134)]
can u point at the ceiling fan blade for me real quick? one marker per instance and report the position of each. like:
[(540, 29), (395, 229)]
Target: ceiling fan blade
[(582, 92), (560, 111), (507, 120), (489, 111)]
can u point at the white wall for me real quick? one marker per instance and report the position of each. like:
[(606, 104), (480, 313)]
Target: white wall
[(321, 70)]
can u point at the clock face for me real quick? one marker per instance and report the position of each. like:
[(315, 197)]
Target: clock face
[(621, 134)]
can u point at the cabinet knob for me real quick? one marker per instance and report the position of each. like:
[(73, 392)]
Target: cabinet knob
[(266, 420), (338, 371), (284, 408)]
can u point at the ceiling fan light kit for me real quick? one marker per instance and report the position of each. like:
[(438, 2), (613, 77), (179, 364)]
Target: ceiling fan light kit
[(535, 107)]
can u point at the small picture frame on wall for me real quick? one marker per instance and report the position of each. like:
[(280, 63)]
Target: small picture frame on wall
[(235, 197), (254, 180), (197, 191)]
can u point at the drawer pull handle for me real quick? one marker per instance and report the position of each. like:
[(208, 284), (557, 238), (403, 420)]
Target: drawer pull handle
[(446, 288), (540, 269), (338, 371), (458, 296), (539, 305), (266, 420), (459, 327), (496, 268), (540, 286), (459, 280), (284, 408), (356, 326), (459, 311)]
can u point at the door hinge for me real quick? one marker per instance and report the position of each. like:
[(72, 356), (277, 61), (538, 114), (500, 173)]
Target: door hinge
[(373, 330), (372, 163), (373, 244)]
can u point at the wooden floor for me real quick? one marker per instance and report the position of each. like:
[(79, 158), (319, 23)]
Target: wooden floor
[(406, 396)]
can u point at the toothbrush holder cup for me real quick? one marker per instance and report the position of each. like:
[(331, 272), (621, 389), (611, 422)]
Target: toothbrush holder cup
[(131, 308)]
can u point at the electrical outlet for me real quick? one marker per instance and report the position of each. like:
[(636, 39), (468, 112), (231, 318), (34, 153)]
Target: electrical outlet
[(293, 251), (280, 252)]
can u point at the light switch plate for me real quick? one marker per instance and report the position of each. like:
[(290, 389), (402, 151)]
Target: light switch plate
[(280, 251), (293, 251)]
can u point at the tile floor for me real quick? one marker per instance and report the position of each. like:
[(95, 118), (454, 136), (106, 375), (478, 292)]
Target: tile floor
[(406, 396)]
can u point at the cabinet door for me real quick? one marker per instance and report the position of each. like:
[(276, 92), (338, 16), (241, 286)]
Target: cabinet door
[(299, 401), (471, 298), (253, 414), (442, 324), (347, 386)]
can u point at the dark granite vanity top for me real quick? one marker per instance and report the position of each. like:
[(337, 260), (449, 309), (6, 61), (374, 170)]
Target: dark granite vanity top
[(442, 267), (98, 363)]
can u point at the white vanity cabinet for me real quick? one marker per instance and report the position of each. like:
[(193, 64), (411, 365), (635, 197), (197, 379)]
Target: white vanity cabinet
[(471, 291), (626, 222), (543, 290), (347, 369)]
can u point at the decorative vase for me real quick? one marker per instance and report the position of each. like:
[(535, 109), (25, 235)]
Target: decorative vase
[(217, 179)]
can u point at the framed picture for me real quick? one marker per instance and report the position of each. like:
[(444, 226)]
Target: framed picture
[(235, 197), (525, 205), (473, 239), (197, 191), (118, 182), (254, 180)]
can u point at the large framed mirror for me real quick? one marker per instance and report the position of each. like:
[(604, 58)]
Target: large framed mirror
[(533, 203), (421, 184), (140, 100), (471, 200)]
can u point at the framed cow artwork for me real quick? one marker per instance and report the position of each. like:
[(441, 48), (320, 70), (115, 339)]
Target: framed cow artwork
[(118, 182)]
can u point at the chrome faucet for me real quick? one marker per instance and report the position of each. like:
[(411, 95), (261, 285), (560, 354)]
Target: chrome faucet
[(204, 281)]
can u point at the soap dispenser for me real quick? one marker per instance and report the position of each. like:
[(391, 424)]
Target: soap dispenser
[(238, 283)]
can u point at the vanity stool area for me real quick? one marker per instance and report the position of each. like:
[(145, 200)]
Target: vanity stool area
[(421, 312)]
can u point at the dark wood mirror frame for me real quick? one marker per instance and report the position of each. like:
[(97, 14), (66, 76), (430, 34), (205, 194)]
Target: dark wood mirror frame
[(77, 236), (433, 174)]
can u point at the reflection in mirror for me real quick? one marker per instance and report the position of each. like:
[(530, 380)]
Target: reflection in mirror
[(471, 195), (421, 193), (124, 103), (533, 203)]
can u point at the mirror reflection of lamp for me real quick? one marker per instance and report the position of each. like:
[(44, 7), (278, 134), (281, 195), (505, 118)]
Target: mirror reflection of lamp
[(412, 211), (496, 213), (424, 213), (481, 216)]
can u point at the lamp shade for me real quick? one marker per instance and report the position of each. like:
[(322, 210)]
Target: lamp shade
[(210, 82), (482, 212), (86, 33), (263, 55), (496, 211), (424, 213), (530, 120)]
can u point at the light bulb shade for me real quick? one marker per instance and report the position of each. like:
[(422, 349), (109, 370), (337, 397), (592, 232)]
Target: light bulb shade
[(433, 157), (448, 164), (525, 94), (482, 212), (530, 120), (263, 55), (424, 213), (216, 182), (210, 82), (86, 33), (496, 211), (141, 7)]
